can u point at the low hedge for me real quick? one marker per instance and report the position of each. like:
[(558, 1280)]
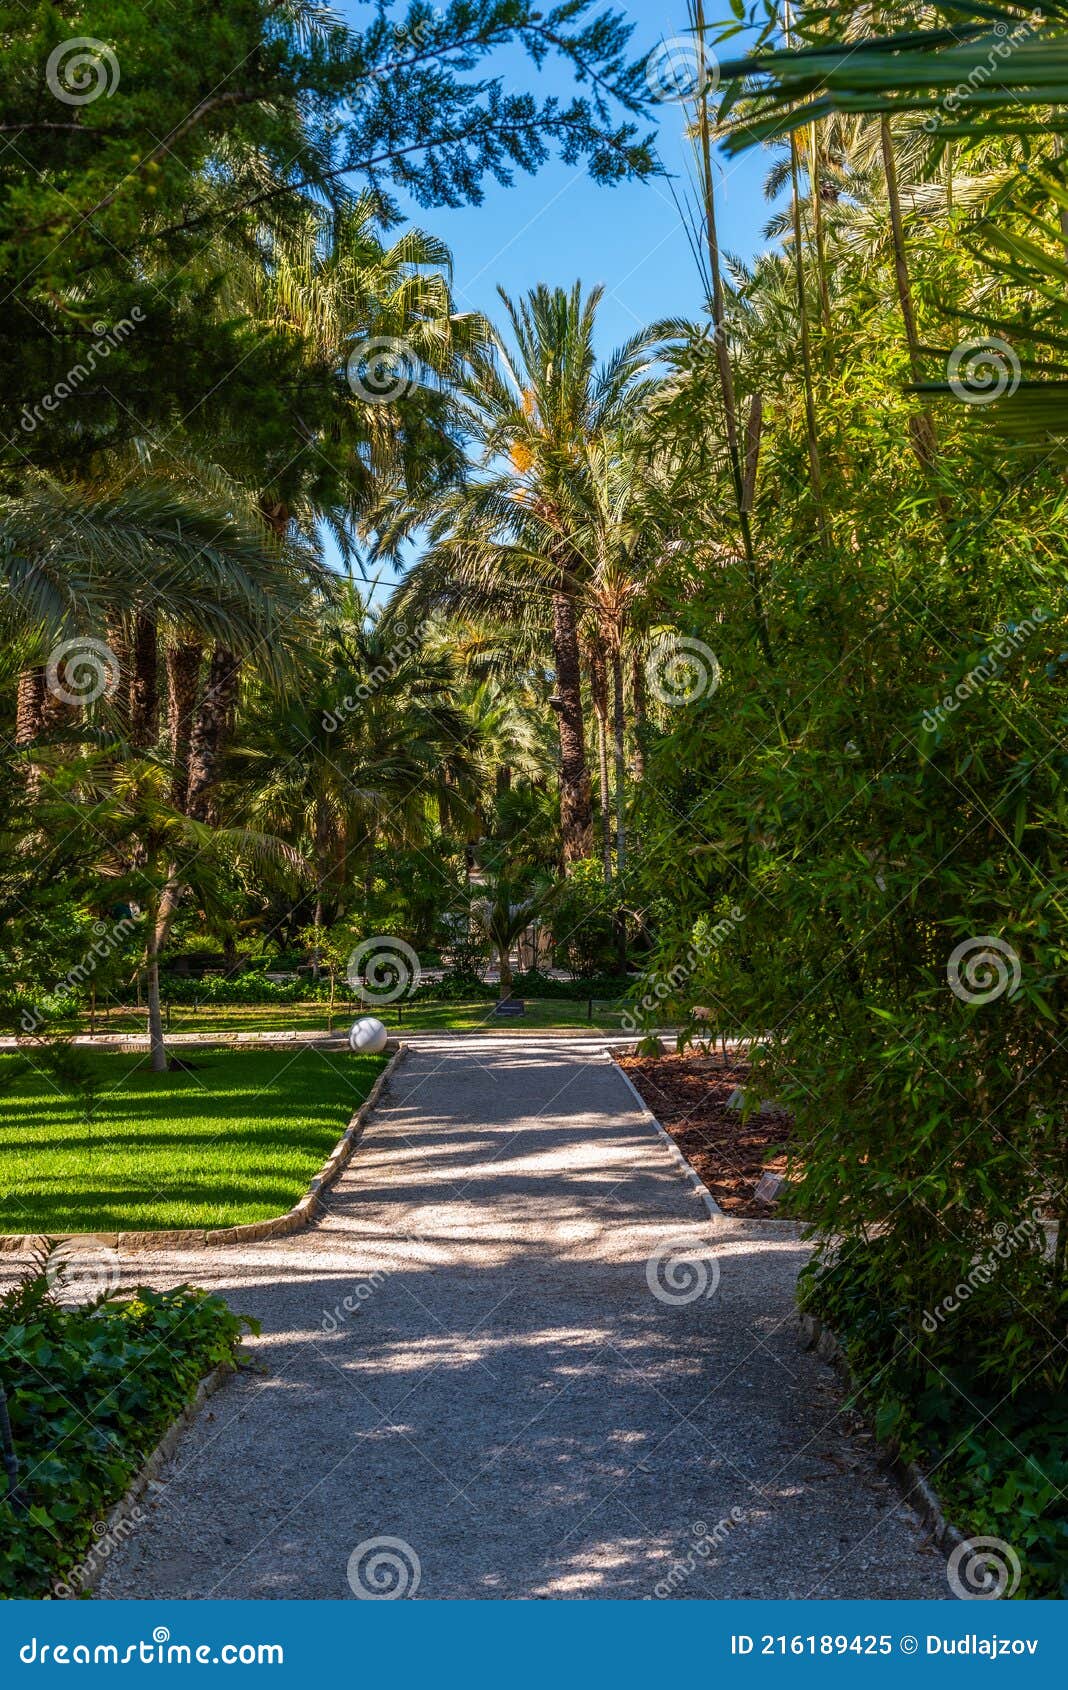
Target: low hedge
[(90, 1392), (247, 989), (253, 988), (998, 1460)]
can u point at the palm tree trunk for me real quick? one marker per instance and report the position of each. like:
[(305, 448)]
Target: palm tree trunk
[(29, 722), (29, 708), (504, 991), (211, 732), (144, 683), (620, 758), (160, 920), (576, 803), (183, 684), (119, 645), (599, 695)]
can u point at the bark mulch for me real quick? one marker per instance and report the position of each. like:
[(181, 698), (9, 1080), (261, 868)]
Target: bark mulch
[(688, 1095)]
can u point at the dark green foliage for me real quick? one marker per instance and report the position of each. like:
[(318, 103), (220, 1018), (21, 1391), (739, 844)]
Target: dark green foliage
[(585, 917), (209, 123), (999, 1462), (90, 1392)]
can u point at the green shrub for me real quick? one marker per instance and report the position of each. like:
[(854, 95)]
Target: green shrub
[(90, 1392), (249, 989), (999, 1463)]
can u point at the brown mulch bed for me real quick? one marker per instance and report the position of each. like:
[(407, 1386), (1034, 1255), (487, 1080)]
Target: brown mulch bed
[(688, 1095)]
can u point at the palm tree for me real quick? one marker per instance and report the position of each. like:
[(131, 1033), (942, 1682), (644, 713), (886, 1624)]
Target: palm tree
[(379, 340), (506, 542), (504, 915), (106, 560), (372, 742)]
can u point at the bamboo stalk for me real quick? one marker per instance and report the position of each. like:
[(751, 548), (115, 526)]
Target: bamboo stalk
[(723, 357)]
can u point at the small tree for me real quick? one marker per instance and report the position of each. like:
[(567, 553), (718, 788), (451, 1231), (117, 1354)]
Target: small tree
[(331, 948), (503, 915)]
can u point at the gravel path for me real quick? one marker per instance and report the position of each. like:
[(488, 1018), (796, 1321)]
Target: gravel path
[(466, 1357)]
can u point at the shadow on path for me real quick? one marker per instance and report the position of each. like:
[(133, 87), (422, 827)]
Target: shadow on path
[(518, 1344)]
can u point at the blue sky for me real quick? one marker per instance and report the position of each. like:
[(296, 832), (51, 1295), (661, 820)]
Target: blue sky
[(559, 226)]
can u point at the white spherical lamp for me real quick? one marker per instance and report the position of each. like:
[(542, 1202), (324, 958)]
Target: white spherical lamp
[(367, 1036)]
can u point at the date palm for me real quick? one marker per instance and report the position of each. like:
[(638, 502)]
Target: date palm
[(507, 541), (374, 743)]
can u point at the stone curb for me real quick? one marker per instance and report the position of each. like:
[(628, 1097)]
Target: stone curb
[(162, 1453), (917, 1488), (197, 1238), (132, 1042), (789, 1223), (689, 1174)]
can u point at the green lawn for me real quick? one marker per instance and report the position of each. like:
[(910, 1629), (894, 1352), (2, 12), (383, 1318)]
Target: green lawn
[(237, 1139), (445, 1017)]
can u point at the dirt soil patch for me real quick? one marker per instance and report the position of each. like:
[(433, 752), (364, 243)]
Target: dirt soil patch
[(689, 1097)]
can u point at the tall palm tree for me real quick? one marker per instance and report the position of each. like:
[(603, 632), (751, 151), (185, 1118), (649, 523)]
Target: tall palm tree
[(379, 341), (507, 540)]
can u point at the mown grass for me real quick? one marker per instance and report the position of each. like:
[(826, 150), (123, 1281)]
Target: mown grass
[(540, 1013), (236, 1138)]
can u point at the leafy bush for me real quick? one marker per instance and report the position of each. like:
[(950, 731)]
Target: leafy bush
[(868, 884), (585, 915), (1000, 1464), (90, 1392), (466, 956), (242, 989), (452, 988)]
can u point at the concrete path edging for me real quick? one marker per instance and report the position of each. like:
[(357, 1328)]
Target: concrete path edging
[(789, 1223), (516, 1360), (688, 1172), (90, 1571), (913, 1482), (301, 1215)]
